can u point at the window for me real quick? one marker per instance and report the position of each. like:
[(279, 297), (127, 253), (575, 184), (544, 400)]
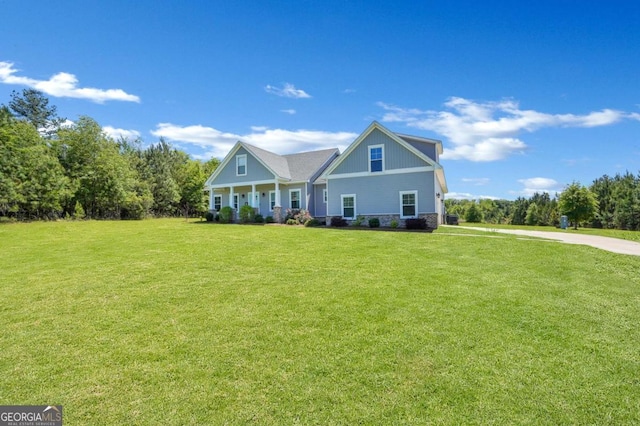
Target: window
[(294, 198), (324, 196), (408, 204), (348, 206), (241, 165), (217, 202), (376, 158), (272, 200), (235, 201)]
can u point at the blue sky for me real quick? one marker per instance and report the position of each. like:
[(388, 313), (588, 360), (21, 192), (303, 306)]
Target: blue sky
[(525, 96)]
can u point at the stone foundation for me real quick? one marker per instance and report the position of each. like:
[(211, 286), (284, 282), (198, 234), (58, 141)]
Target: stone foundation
[(385, 220)]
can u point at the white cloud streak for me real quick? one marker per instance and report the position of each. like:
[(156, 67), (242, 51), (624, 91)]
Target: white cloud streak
[(489, 131), (63, 85), (540, 185), (218, 144), (288, 90), (476, 181), (468, 196), (288, 111)]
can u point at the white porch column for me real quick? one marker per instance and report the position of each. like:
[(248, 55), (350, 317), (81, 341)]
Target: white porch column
[(278, 193), (210, 198), (231, 196), (253, 195)]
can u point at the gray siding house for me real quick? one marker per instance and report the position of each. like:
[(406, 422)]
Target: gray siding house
[(381, 174)]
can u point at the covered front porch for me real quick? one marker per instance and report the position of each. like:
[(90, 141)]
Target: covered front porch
[(267, 198)]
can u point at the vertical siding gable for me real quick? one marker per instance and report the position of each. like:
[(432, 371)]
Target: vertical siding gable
[(255, 170), (396, 156), (428, 149)]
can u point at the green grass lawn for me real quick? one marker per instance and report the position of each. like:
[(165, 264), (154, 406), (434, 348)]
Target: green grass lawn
[(174, 322), (613, 233)]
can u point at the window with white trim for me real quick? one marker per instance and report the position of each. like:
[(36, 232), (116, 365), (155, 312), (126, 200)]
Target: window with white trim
[(217, 202), (376, 158), (272, 200), (408, 204), (324, 196), (294, 198), (348, 206), (241, 165), (235, 201)]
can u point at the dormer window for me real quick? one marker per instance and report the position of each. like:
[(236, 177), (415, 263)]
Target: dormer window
[(241, 165), (376, 158)]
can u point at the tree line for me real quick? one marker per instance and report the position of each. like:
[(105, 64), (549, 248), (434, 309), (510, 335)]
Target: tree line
[(51, 170), (609, 202)]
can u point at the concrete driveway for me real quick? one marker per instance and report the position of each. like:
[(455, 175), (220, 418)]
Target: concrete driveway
[(614, 245)]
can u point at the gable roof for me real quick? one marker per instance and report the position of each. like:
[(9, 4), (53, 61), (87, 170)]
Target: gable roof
[(303, 166), (276, 164), (298, 167), (414, 144)]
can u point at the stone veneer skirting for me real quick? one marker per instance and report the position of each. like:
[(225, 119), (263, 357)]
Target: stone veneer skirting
[(385, 220)]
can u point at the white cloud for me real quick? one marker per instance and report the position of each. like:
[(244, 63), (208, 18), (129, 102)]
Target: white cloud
[(476, 181), (288, 90), (121, 133), (281, 141), (288, 111), (63, 85), (489, 131), (538, 184), (469, 196)]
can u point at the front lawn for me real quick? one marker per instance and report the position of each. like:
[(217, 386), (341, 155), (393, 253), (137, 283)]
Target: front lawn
[(174, 322), (612, 233)]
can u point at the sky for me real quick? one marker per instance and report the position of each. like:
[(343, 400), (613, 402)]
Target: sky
[(525, 96)]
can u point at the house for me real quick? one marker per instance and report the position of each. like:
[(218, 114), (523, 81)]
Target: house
[(382, 174)]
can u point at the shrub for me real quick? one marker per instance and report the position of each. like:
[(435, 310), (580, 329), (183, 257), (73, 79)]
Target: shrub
[(312, 222), (217, 218), (301, 216), (374, 222), (291, 222), (246, 214), (209, 217), (358, 221), (290, 214), (226, 214), (258, 219), (338, 221), (394, 224), (418, 223), (269, 219)]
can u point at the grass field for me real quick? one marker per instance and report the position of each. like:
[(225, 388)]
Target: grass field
[(613, 233), (174, 322)]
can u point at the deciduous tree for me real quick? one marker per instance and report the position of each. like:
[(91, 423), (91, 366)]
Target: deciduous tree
[(578, 203)]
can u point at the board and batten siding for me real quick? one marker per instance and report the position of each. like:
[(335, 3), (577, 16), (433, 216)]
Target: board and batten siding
[(428, 149), (380, 194), (255, 171), (319, 206), (395, 155)]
